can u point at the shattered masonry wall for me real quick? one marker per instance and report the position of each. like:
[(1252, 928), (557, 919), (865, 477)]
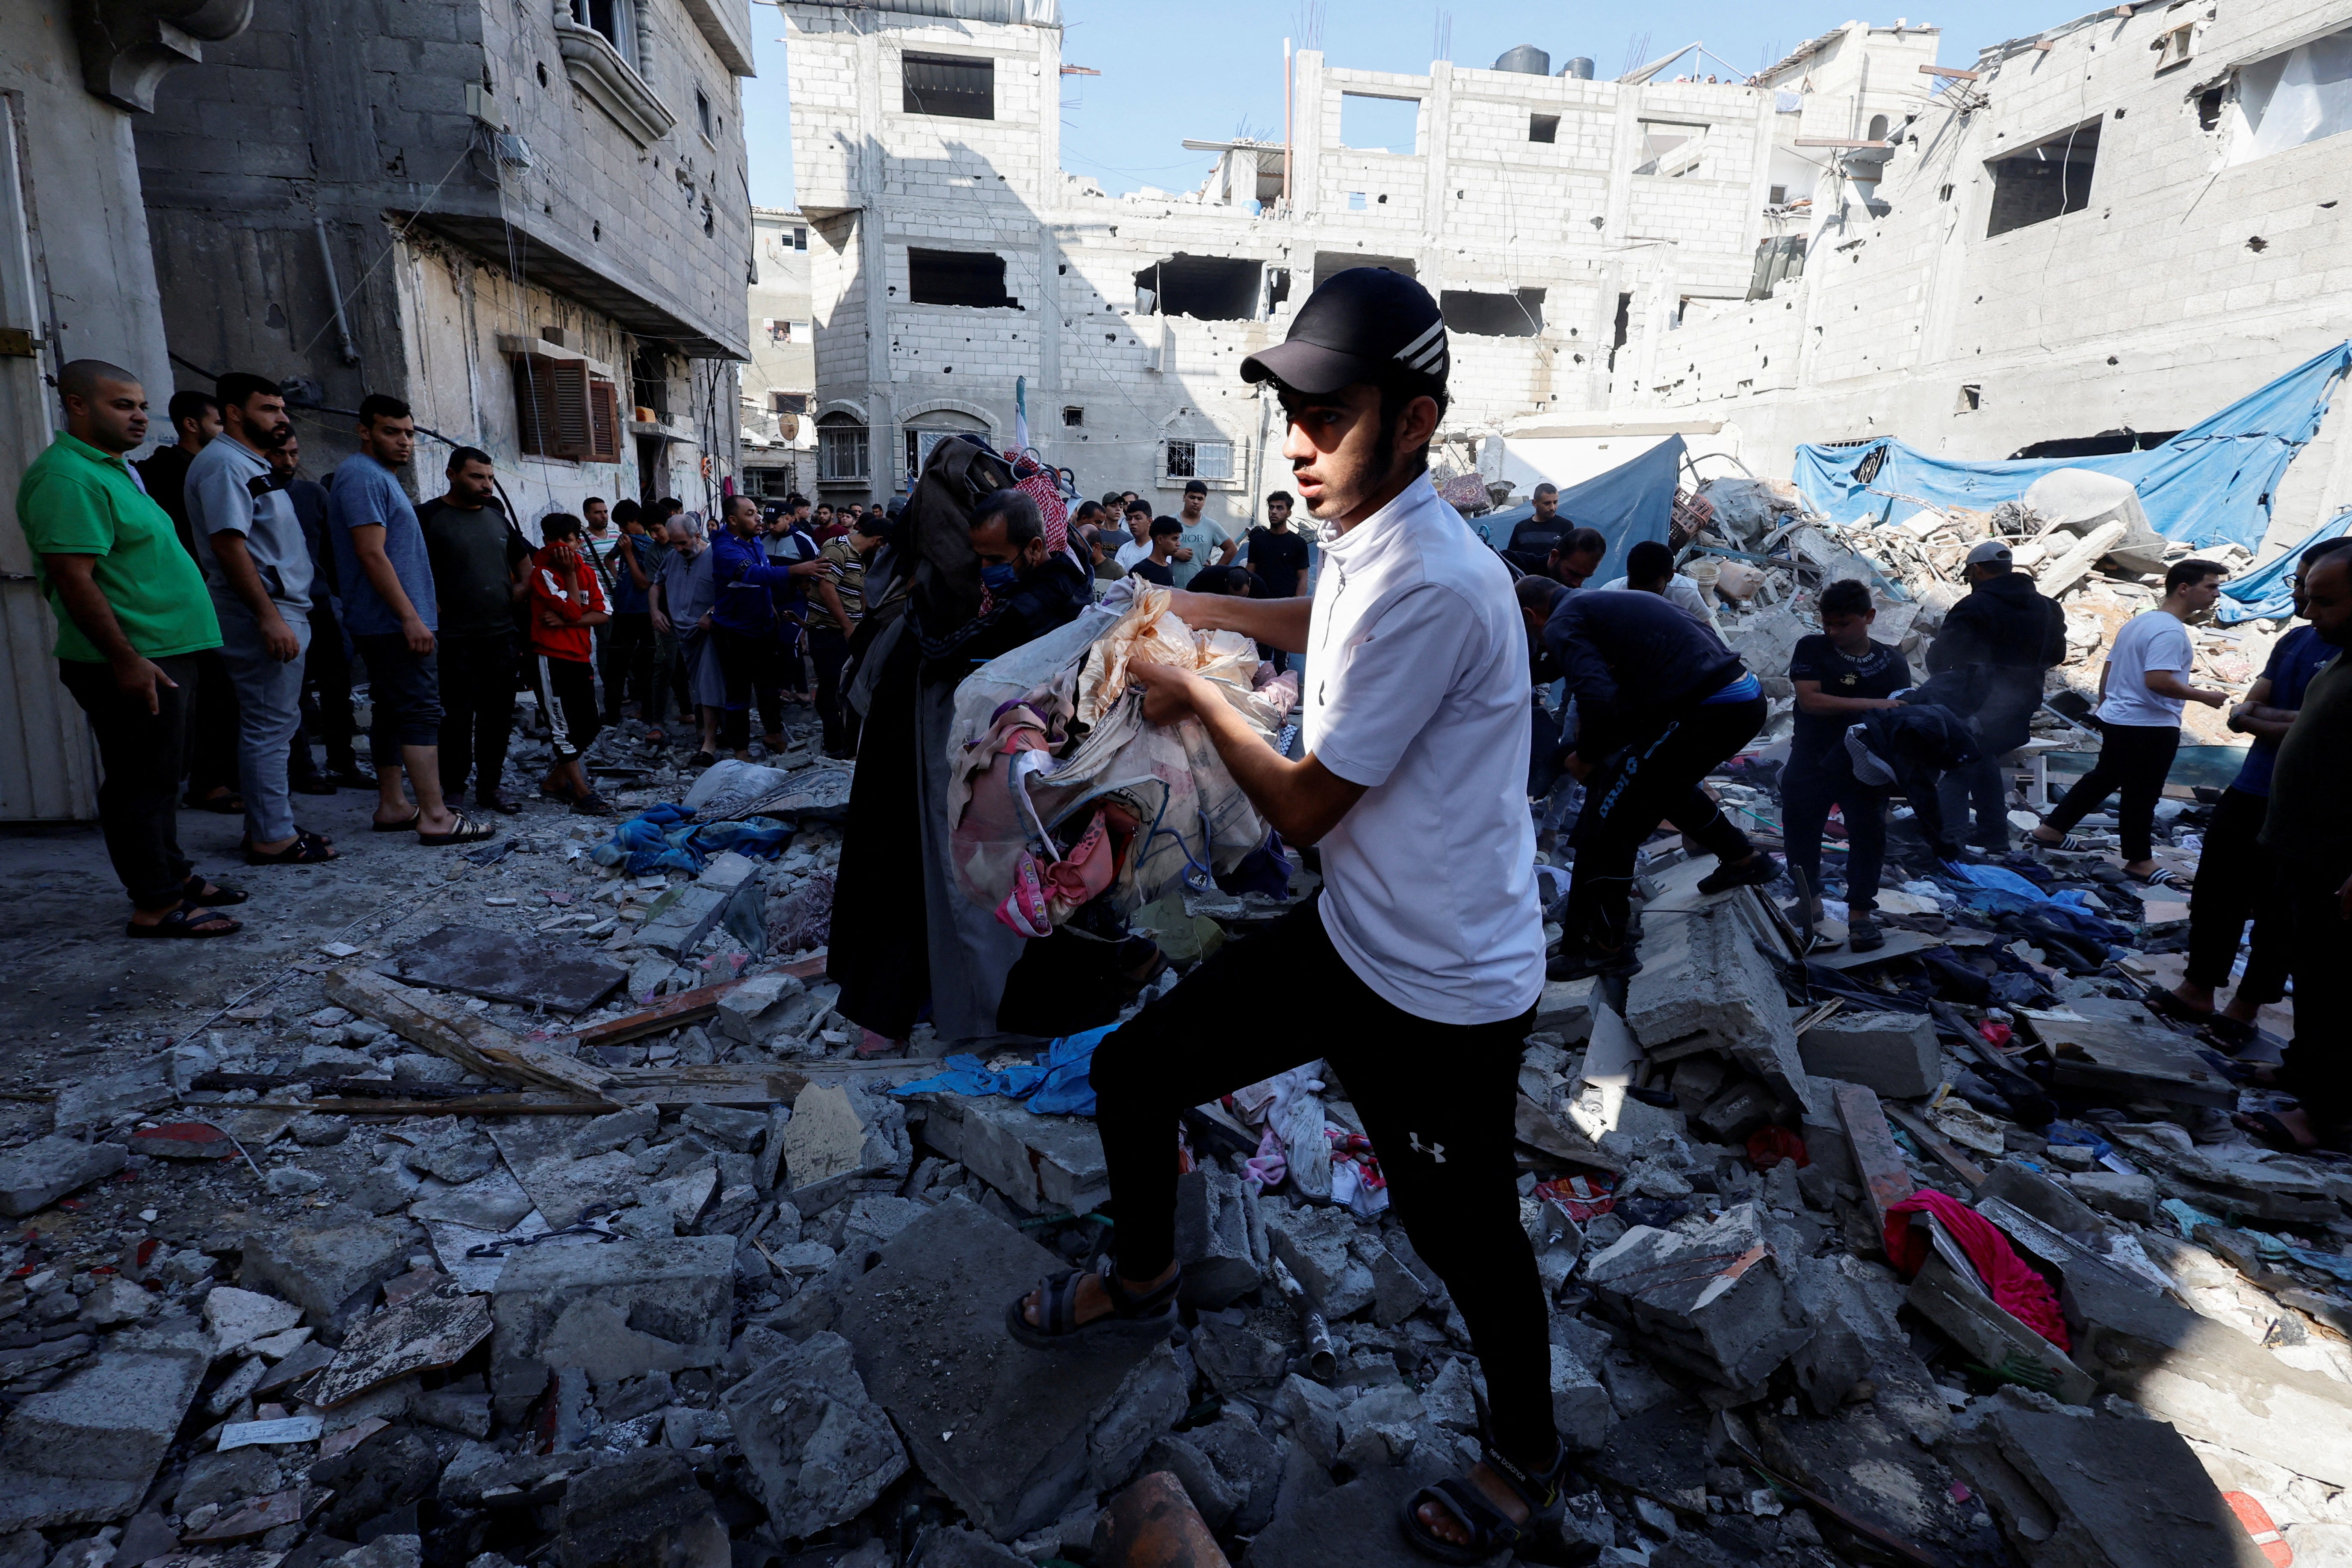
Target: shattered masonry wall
[(2184, 283), (1476, 206)]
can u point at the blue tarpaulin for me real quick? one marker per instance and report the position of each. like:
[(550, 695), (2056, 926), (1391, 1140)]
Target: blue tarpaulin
[(2211, 484), (1631, 502), (2265, 593)]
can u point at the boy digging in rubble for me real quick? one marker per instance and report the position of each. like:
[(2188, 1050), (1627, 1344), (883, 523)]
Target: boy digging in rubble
[(1415, 970)]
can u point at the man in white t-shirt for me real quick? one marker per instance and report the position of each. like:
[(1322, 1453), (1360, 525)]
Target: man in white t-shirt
[(2141, 693), (1139, 534), (1416, 971), (1650, 568)]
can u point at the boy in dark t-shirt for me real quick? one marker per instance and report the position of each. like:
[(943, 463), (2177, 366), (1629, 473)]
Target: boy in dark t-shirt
[(1840, 675)]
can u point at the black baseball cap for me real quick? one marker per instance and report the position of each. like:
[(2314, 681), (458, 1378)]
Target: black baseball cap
[(1367, 323)]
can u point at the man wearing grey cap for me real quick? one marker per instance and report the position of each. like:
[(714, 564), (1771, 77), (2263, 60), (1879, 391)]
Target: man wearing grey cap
[(1426, 944), (2013, 634)]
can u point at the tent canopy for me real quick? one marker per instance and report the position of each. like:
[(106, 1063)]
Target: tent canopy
[(2266, 593), (2211, 484), (1631, 502)]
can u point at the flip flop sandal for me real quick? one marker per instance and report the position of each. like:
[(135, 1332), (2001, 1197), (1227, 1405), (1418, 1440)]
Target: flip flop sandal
[(308, 849), (2066, 843), (1139, 1319), (186, 922), (2270, 1132), (2165, 877), (401, 826), (468, 831), (592, 805), (702, 760), (555, 795), (1491, 1531), (194, 891)]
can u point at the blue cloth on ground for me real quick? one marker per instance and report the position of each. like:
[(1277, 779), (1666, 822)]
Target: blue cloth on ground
[(1058, 1086), (666, 836), (2213, 482)]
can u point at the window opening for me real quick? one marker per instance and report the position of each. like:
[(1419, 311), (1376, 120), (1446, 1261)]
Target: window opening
[(1670, 151), (1197, 460), (1624, 324), (2295, 99), (616, 19), (1207, 288), (952, 85), (2042, 182), (1371, 124), (968, 278), (702, 115), (1073, 417), (1519, 314), (1543, 127), (842, 450)]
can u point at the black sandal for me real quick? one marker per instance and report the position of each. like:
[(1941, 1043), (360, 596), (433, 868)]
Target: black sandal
[(1491, 1531), (403, 826), (186, 922), (308, 849), (220, 897), (468, 830), (1135, 1318)]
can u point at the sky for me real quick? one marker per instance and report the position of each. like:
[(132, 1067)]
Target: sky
[(1218, 73)]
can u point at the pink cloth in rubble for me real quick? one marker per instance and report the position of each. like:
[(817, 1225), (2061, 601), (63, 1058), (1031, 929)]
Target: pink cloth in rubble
[(2021, 1291)]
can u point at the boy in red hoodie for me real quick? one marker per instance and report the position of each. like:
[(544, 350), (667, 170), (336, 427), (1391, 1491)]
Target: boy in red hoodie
[(567, 598)]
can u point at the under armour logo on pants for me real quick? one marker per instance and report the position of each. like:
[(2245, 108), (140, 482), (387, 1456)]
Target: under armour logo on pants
[(1436, 1152)]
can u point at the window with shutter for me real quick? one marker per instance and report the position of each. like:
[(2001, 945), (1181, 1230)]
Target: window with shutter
[(603, 423), (562, 411)]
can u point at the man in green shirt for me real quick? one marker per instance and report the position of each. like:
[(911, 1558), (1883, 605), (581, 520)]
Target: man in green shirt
[(131, 614), (2310, 833)]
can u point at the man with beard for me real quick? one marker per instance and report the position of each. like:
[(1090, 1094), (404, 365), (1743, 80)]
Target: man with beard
[(257, 566)]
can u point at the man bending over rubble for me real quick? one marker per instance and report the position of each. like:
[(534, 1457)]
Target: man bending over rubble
[(1661, 703), (1416, 970)]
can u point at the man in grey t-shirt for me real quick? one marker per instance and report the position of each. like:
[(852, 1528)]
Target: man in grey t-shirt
[(257, 567)]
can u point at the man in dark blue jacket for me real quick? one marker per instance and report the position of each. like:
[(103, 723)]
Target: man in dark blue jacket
[(1661, 703), (744, 624)]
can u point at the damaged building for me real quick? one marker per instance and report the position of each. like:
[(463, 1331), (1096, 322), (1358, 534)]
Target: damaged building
[(952, 257), (2079, 243), (526, 221)]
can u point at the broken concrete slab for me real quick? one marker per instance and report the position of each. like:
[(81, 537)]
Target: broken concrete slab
[(502, 966), (645, 1511), (538, 1150), (95, 1101), (766, 1010), (1712, 1301), (330, 1269), (1886, 1179), (1948, 1294), (2127, 1196), (2077, 1489), (1008, 1432), (42, 1172), (819, 1449), (1042, 1164), (1324, 1248), (425, 1333), (493, 1203), (2207, 1379), (86, 1451), (1705, 984), (1212, 1238), (613, 1311), (1566, 1008), (681, 919), (1354, 1526), (825, 1143), (2129, 1058), (1597, 1104), (238, 1318), (1893, 1053)]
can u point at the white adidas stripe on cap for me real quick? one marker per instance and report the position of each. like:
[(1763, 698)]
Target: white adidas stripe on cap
[(1426, 353)]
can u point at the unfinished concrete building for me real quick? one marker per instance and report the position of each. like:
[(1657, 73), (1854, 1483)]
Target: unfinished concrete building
[(2083, 242), (951, 257)]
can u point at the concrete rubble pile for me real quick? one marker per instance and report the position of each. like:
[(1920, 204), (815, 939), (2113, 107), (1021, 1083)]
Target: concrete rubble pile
[(578, 1229)]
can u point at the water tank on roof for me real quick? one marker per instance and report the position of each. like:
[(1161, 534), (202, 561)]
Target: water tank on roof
[(1580, 67), (1526, 60)]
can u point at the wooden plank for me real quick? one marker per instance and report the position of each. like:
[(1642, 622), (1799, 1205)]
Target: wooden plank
[(1936, 1143), (1884, 1176), (682, 1008), (481, 1105), (471, 1041), (675, 1011)]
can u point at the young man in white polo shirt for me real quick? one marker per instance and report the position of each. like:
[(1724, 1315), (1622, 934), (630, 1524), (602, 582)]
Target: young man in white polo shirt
[(1417, 969)]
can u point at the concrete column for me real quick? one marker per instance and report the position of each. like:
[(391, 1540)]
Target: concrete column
[(1436, 163), (881, 405)]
